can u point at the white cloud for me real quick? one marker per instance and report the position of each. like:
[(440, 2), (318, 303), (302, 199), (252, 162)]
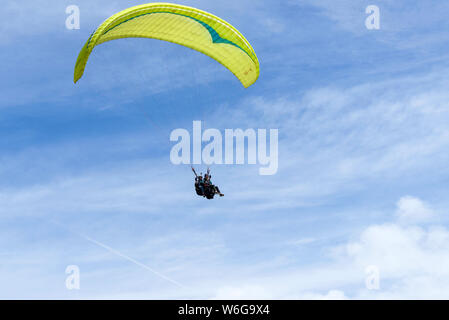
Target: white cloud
[(412, 260), (331, 295), (412, 210), (368, 136), (303, 241), (243, 292)]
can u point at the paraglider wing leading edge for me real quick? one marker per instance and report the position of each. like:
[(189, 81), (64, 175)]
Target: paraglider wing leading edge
[(183, 25)]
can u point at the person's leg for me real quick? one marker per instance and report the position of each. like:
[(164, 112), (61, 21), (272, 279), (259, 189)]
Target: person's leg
[(217, 190)]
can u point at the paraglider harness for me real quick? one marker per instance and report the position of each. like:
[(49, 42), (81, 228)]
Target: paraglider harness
[(203, 186)]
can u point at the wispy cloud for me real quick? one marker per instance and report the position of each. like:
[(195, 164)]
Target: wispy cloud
[(362, 122)]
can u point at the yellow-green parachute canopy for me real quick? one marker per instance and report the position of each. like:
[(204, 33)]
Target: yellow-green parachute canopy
[(183, 25)]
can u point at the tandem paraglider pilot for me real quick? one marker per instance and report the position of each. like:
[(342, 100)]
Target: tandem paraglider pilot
[(204, 186)]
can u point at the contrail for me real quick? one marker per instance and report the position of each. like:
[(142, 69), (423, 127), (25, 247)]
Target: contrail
[(118, 253), (140, 264)]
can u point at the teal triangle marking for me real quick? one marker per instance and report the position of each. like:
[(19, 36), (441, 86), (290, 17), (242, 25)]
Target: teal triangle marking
[(216, 38)]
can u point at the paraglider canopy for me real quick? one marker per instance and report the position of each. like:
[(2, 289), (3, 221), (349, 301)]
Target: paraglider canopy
[(190, 27)]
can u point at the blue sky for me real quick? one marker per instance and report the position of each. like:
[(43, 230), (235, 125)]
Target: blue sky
[(86, 179)]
